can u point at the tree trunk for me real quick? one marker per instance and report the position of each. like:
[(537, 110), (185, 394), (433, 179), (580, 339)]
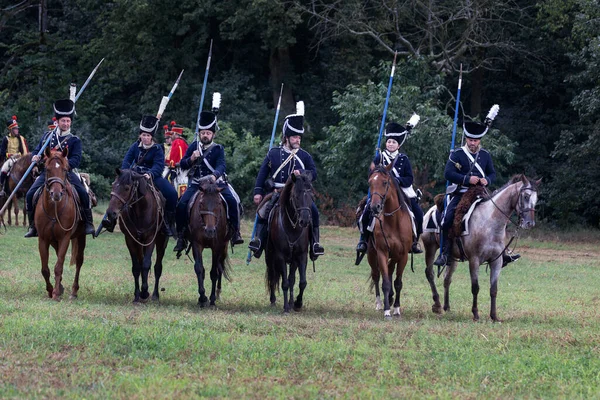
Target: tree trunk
[(281, 71)]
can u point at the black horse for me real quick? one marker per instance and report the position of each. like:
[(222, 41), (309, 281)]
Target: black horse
[(288, 240), (138, 207)]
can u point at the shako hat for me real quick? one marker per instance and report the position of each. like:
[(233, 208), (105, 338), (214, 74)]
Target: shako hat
[(12, 123), (398, 132), (293, 124), (208, 119), (64, 108), (52, 124), (477, 130), (148, 124)]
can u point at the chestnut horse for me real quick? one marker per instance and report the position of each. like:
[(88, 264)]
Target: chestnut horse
[(16, 173), (392, 236), (137, 207), (288, 241), (485, 241), (58, 221), (208, 229)]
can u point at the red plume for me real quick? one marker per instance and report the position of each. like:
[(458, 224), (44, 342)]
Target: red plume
[(166, 127), (14, 117), (54, 119), (173, 122)]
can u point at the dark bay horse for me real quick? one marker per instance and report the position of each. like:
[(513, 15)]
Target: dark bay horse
[(392, 236), (138, 207), (58, 222), (486, 239), (288, 240), (16, 173), (208, 229)]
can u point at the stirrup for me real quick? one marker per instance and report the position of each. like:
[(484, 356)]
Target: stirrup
[(441, 261), (508, 258), (415, 248)]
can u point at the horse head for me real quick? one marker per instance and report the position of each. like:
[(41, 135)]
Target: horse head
[(127, 189), (301, 198), (57, 167), (527, 199), (380, 181), (210, 211)]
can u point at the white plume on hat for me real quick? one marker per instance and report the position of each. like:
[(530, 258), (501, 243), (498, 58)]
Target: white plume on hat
[(300, 108), (413, 121), (492, 114), (216, 101)]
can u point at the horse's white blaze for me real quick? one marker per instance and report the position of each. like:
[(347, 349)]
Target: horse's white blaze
[(396, 310), (378, 303), (57, 165), (386, 313)]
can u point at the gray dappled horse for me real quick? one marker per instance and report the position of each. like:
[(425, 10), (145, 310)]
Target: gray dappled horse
[(485, 241)]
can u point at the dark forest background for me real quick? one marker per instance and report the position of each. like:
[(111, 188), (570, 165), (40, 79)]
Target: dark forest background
[(539, 60)]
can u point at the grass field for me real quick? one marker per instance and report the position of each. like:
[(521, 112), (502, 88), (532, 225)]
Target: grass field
[(102, 346)]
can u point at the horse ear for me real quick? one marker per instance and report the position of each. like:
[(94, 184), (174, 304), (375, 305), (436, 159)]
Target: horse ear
[(309, 175), (524, 179), (65, 152), (294, 177), (47, 152), (538, 182), (389, 167), (118, 171), (142, 187)]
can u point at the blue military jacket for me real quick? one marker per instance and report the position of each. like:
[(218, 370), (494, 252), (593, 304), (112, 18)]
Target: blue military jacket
[(460, 167), (70, 142), (402, 169), (150, 160), (301, 161), (211, 162)]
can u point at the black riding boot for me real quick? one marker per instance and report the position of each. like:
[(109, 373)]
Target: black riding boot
[(89, 222), (416, 249), (316, 249), (260, 236), (181, 242), (236, 238), (444, 257), (169, 223), (362, 246), (32, 231), (508, 258)]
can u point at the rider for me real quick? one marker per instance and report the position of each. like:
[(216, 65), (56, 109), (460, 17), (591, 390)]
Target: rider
[(62, 138), (467, 166), (207, 160), (178, 146), (146, 157), (13, 146), (277, 166), (402, 170)]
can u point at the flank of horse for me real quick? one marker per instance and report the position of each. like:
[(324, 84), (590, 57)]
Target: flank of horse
[(485, 241), (16, 173), (289, 239), (392, 237), (138, 209), (208, 230), (58, 222)]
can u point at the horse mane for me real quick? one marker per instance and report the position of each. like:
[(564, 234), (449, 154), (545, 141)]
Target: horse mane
[(401, 195)]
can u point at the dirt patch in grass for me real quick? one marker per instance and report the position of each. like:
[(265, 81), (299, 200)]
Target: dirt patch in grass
[(551, 255)]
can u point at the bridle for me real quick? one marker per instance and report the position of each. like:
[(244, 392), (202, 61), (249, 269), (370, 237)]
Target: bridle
[(49, 181), (298, 210)]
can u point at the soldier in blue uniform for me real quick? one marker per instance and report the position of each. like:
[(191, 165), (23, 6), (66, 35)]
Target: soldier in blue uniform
[(277, 166), (396, 134), (147, 157), (207, 161), (62, 138), (467, 166)]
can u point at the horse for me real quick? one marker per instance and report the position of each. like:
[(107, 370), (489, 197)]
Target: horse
[(208, 229), (58, 221), (288, 240), (16, 173), (392, 237), (485, 241), (138, 208)]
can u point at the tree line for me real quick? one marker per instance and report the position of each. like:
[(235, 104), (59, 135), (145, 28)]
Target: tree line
[(536, 59)]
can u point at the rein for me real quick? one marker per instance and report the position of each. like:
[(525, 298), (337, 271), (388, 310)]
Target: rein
[(47, 184)]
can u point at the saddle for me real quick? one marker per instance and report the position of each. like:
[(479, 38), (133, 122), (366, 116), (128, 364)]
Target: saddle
[(434, 222), (464, 210)]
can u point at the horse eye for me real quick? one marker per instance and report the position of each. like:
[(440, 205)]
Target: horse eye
[(527, 197)]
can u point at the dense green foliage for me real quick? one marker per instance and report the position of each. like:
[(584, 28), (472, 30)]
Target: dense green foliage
[(536, 59)]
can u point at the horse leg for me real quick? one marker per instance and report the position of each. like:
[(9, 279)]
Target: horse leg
[(285, 282), (430, 249), (398, 286), (447, 281), (16, 209), (214, 274), (61, 252), (386, 284), (495, 269), (77, 250), (474, 270), (161, 245), (44, 250), (199, 270), (135, 252), (146, 265), (302, 283)]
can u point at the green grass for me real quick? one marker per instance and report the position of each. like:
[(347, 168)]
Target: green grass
[(102, 346)]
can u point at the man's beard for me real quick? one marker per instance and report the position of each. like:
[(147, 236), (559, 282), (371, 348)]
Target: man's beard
[(473, 149), (294, 146), (205, 140)]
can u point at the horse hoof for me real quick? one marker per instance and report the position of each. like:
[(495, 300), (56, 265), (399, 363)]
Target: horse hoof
[(73, 297), (436, 309)]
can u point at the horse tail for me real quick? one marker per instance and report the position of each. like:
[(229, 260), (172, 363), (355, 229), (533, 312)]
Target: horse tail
[(272, 277), (226, 266)]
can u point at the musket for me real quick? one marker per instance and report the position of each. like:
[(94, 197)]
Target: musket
[(249, 257), (47, 142), (165, 99), (451, 150), (203, 91)]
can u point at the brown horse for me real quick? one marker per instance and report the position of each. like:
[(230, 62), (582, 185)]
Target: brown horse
[(58, 221), (288, 241), (16, 173), (485, 241), (392, 236), (138, 208), (208, 230)]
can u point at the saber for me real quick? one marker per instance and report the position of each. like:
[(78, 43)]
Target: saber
[(451, 150), (87, 81), (47, 142), (165, 99), (203, 91), (249, 257)]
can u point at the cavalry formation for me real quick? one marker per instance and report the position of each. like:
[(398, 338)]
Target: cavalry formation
[(184, 193)]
